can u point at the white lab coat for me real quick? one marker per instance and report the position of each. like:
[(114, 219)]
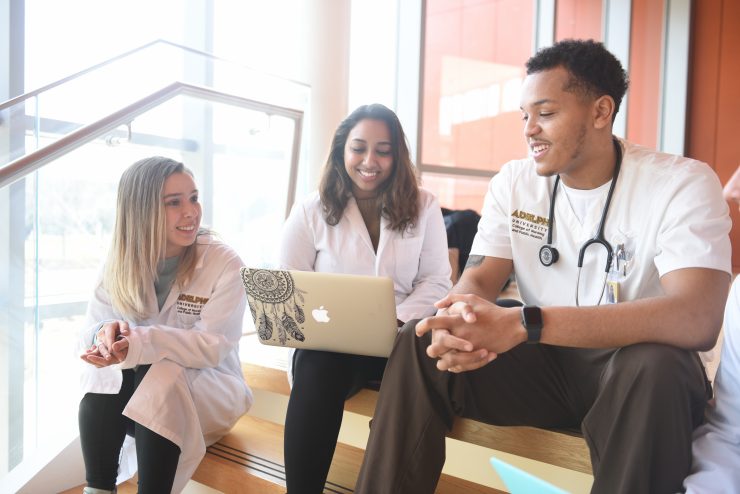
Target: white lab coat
[(194, 391), (416, 260), (716, 447)]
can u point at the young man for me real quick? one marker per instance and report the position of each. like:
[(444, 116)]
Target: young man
[(716, 467), (621, 362)]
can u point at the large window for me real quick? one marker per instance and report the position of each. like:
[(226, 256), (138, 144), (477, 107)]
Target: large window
[(474, 54), (240, 135), (643, 105), (473, 69), (578, 19), (473, 59), (64, 37)]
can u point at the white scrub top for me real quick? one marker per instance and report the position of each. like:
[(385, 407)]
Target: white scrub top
[(716, 447), (667, 211)]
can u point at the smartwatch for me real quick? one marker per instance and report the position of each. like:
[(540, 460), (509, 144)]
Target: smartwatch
[(532, 322)]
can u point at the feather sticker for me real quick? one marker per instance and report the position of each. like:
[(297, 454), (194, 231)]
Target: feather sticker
[(292, 328), (300, 317), (264, 328), (274, 303)]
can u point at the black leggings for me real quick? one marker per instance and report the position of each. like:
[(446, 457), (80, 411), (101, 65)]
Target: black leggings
[(322, 382), (103, 428)]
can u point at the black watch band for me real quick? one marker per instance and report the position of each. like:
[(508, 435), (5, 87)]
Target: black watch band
[(532, 322)]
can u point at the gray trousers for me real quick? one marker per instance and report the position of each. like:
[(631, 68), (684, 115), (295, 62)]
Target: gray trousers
[(636, 406)]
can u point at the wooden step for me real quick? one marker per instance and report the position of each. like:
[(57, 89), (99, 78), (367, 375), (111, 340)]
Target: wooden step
[(192, 487), (559, 448), (250, 458), (128, 487), (254, 448)]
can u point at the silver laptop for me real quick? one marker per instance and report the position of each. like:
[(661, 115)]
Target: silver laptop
[(322, 311)]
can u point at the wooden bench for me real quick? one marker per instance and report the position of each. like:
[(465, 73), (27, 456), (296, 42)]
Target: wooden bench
[(560, 448), (250, 457)]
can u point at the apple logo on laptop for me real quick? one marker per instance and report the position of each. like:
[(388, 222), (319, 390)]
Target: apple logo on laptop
[(320, 314)]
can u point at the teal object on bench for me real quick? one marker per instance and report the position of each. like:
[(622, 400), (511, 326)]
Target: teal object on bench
[(520, 482)]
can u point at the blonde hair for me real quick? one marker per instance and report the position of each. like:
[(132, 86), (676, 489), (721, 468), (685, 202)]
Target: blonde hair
[(140, 238)]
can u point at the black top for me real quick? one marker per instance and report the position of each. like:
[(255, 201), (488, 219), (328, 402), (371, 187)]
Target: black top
[(461, 228)]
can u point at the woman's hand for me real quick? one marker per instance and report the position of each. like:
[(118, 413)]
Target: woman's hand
[(111, 345)]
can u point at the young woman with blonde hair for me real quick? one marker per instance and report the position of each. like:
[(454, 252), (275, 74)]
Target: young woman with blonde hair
[(161, 338)]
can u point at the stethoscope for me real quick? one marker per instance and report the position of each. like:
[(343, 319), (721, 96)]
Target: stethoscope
[(549, 255)]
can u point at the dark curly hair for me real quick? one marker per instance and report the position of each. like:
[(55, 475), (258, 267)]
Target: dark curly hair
[(594, 70), (399, 193)]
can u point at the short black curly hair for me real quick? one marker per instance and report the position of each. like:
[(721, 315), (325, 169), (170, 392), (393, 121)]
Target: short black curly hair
[(594, 70)]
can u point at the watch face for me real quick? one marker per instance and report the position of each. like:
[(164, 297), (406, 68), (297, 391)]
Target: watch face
[(532, 322), (532, 316)]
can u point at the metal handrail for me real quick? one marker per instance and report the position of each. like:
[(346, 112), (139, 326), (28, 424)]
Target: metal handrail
[(36, 92), (36, 159)]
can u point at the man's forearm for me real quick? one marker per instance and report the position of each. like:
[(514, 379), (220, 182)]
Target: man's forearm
[(688, 316), (483, 276)]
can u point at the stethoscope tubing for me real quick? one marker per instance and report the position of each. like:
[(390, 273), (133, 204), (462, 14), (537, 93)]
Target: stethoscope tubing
[(599, 238)]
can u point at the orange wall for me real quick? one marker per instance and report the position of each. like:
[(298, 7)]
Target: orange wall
[(714, 94), (481, 31)]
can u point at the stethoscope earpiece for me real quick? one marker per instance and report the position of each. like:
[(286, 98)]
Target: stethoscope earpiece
[(548, 255)]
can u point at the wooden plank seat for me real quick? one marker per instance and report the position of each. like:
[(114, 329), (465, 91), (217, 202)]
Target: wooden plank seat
[(563, 448), (250, 457)]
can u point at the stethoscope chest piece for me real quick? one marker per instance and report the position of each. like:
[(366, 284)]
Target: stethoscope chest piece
[(548, 255)]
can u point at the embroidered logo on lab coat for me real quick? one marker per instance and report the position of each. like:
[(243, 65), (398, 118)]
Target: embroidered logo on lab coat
[(190, 304), (528, 224)]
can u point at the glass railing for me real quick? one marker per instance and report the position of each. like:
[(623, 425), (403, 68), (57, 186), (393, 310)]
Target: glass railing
[(57, 201), (60, 108)]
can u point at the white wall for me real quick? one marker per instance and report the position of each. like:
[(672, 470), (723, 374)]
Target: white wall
[(327, 52), (305, 41)]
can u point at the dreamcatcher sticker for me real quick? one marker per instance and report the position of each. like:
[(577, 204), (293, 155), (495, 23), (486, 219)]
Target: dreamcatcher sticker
[(274, 303)]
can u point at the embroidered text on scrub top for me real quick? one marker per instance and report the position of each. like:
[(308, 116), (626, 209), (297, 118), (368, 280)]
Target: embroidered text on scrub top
[(528, 224), (190, 304)]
